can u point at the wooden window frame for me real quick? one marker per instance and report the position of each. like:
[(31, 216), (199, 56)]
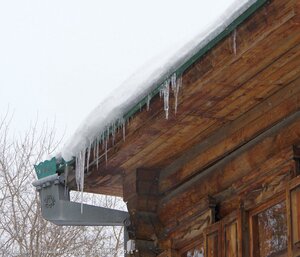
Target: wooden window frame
[(253, 225), (293, 247), (197, 241)]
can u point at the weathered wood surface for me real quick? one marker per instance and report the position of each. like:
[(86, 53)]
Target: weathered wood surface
[(232, 142), (293, 216), (255, 155), (197, 99), (188, 232), (219, 89), (141, 195), (233, 135)]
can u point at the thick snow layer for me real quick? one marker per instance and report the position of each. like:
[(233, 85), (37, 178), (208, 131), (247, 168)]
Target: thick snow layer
[(145, 80)]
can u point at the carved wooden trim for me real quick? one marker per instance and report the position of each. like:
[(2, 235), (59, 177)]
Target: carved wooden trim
[(296, 150)]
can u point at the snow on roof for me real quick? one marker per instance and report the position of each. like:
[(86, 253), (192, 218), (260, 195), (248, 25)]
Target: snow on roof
[(145, 80)]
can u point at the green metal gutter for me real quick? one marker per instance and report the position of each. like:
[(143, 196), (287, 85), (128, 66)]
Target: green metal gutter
[(46, 168)]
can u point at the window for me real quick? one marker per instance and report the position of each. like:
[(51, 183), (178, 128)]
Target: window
[(269, 231), (195, 249)]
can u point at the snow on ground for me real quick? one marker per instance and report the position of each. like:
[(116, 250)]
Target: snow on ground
[(145, 80)]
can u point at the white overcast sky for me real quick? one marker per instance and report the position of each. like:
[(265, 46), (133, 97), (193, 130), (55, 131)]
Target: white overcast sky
[(60, 58)]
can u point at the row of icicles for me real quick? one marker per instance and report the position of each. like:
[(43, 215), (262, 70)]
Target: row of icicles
[(82, 159)]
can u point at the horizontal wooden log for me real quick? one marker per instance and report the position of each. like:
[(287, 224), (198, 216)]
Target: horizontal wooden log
[(147, 128), (230, 169), (161, 145), (232, 136), (268, 183), (252, 189), (186, 233)]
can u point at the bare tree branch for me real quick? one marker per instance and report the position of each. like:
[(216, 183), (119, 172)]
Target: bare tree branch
[(23, 231)]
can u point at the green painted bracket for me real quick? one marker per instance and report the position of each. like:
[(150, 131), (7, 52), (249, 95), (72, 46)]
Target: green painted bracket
[(51, 167), (46, 168)]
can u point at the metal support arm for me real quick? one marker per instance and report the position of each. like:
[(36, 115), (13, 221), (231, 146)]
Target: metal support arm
[(58, 209)]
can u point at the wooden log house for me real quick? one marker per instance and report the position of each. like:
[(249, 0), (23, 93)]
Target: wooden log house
[(222, 175)]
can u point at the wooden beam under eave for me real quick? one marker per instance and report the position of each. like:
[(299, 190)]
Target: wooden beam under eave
[(232, 136), (231, 168), (238, 71), (147, 126)]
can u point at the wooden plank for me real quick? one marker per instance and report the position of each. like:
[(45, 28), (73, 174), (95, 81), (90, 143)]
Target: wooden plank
[(293, 216), (262, 85), (249, 35), (252, 36), (258, 185), (231, 240), (231, 168), (212, 239), (268, 184), (150, 154), (233, 135), (269, 27), (187, 232)]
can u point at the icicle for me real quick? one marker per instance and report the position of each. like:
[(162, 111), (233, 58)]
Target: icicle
[(81, 202), (94, 148), (88, 157), (66, 178), (148, 102), (140, 105), (106, 151), (179, 82), (166, 93), (108, 132), (79, 173), (124, 129), (97, 154), (102, 140), (82, 178), (161, 91), (113, 133), (176, 85), (173, 82), (175, 89), (234, 42)]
